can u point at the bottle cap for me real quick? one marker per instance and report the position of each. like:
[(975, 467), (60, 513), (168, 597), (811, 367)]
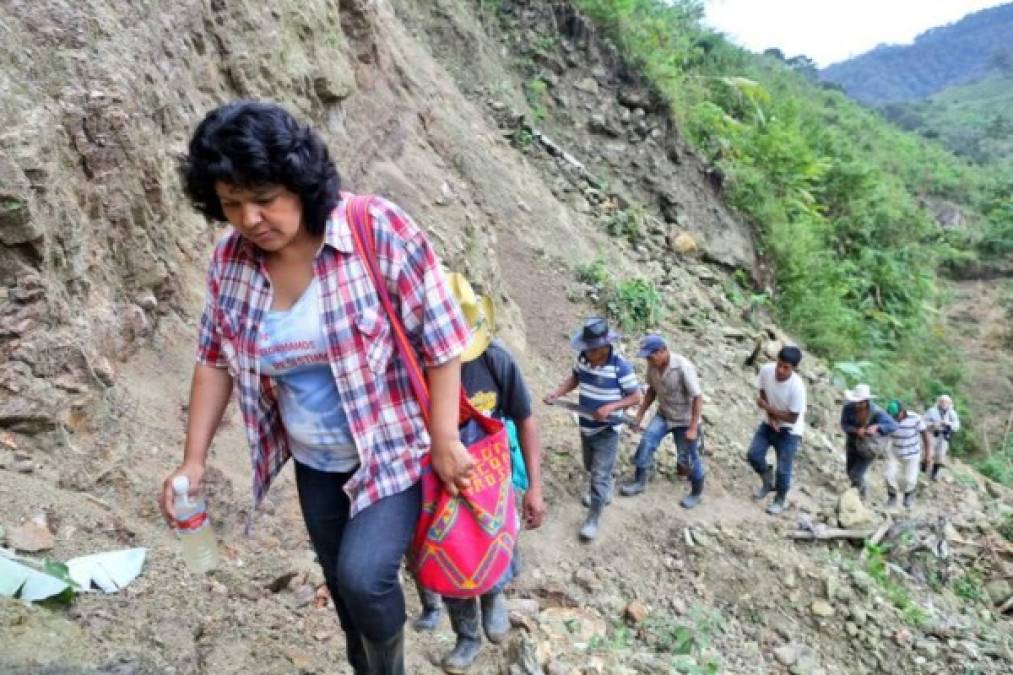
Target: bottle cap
[(180, 485)]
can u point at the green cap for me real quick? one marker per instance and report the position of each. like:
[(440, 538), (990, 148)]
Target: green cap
[(894, 407)]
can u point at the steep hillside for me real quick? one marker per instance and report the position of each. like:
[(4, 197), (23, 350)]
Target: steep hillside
[(530, 150), (973, 120), (958, 53)]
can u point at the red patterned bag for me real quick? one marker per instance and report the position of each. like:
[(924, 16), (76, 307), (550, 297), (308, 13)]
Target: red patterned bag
[(463, 544)]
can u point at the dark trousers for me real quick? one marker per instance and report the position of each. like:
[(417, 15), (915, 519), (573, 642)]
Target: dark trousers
[(600, 451), (361, 556), (785, 446), (856, 465)]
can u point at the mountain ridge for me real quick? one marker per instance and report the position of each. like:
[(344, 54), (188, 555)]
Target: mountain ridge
[(952, 54)]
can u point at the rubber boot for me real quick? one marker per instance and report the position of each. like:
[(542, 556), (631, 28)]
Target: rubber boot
[(464, 619), (767, 486), (495, 619), (695, 495), (935, 472), (891, 500), (429, 619), (387, 657), (777, 506), (356, 653), (638, 485), (909, 499), (590, 529), (586, 499)]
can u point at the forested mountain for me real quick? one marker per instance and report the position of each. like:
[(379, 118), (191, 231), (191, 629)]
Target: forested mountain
[(954, 54), (974, 120)]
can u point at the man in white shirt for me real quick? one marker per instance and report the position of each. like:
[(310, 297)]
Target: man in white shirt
[(782, 399), (908, 443), (942, 421)]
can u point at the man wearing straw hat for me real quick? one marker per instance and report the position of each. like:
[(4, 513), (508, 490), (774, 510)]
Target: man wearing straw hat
[(862, 421), (493, 383)]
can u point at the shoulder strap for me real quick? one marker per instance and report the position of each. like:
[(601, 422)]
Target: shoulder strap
[(364, 237)]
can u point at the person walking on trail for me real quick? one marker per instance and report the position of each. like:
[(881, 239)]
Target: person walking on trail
[(291, 319), (909, 446), (864, 424), (607, 385), (495, 386), (782, 398), (673, 382), (942, 422)]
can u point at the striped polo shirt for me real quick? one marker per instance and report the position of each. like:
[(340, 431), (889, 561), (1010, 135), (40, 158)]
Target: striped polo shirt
[(906, 441), (610, 382)]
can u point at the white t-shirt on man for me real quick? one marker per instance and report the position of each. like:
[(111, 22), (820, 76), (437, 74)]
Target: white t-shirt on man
[(788, 395)]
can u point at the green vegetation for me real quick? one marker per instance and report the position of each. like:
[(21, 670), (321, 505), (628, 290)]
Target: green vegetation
[(839, 196), (685, 640), (896, 593), (970, 587), (635, 303)]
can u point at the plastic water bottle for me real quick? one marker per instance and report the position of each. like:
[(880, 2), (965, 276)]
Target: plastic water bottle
[(200, 552)]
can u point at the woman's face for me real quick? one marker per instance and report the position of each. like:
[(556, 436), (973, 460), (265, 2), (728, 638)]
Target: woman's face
[(269, 216)]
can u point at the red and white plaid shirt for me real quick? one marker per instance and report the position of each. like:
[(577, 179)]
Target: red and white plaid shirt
[(383, 415)]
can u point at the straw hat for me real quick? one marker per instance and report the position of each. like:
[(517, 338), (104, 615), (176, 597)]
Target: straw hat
[(860, 393), (478, 311)]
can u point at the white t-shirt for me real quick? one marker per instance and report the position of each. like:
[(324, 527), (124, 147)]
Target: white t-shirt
[(788, 395)]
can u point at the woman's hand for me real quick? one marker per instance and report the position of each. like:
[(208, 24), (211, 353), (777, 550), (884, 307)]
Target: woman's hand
[(195, 473), (453, 464), (534, 508)]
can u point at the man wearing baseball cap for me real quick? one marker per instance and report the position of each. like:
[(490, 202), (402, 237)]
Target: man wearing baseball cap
[(673, 382)]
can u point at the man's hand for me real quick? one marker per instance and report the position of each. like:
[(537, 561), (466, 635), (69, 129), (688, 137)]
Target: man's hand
[(762, 403), (195, 473), (550, 398), (534, 509), (691, 432), (602, 413), (453, 464), (872, 430)]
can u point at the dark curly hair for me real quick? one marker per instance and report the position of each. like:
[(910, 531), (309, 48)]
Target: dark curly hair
[(250, 144)]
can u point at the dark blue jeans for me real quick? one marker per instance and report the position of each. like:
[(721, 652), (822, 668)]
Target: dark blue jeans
[(689, 451), (600, 451), (785, 446), (361, 556)]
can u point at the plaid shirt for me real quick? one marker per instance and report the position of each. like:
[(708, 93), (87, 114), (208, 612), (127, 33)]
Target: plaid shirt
[(383, 415)]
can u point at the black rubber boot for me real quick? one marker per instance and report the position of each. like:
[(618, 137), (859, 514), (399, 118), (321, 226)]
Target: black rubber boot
[(356, 653), (935, 471), (464, 619), (767, 486), (495, 619), (891, 500), (429, 619), (387, 657), (589, 531), (695, 495), (638, 485)]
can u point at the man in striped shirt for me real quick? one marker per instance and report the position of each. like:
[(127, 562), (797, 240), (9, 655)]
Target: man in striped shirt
[(608, 386), (908, 444)]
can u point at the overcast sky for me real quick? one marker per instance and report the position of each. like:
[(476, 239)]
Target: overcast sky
[(829, 31)]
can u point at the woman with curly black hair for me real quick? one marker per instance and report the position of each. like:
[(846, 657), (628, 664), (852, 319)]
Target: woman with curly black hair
[(292, 319)]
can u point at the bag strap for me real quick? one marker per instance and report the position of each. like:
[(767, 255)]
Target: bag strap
[(364, 237)]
